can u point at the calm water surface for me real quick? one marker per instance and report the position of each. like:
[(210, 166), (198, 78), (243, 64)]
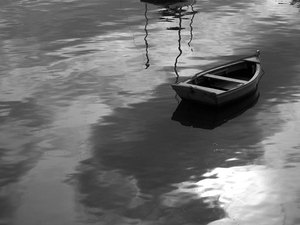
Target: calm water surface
[(89, 133)]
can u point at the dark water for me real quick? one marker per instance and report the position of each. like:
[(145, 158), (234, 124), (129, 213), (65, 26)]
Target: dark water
[(89, 133)]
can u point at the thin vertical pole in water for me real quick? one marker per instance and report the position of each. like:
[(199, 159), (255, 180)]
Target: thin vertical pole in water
[(147, 64)]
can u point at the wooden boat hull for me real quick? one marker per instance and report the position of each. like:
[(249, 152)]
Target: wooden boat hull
[(206, 117), (217, 96)]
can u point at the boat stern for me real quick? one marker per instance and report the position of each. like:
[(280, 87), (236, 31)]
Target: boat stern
[(194, 93)]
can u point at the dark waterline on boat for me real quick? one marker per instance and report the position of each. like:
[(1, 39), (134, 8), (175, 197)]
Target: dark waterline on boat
[(92, 133)]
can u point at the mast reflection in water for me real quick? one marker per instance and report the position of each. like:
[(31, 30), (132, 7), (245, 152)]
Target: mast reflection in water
[(175, 10)]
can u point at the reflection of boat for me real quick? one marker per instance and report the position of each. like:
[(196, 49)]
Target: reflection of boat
[(222, 84), (202, 116)]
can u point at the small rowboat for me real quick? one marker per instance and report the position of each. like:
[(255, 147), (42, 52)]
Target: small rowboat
[(223, 84)]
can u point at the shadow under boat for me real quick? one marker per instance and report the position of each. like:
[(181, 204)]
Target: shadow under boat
[(196, 115)]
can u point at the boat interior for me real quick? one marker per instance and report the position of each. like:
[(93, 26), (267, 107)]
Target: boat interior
[(227, 78)]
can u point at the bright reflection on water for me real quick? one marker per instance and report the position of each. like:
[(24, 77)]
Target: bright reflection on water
[(89, 133)]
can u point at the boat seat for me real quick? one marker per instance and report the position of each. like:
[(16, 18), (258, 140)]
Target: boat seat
[(225, 78), (209, 89)]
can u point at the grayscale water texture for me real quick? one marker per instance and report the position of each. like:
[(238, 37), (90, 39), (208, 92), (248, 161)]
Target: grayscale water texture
[(87, 133)]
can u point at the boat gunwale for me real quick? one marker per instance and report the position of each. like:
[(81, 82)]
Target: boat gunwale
[(249, 82), (198, 87), (256, 55)]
